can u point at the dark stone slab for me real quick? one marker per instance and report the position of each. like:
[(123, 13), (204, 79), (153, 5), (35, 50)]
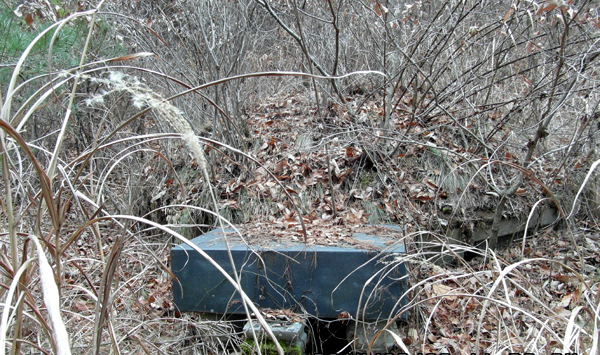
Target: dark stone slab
[(514, 227), (319, 280)]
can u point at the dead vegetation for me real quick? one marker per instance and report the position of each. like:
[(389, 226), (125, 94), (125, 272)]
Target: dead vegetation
[(314, 118)]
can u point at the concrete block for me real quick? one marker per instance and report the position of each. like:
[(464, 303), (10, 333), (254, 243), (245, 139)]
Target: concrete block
[(292, 333), (322, 281), (515, 225)]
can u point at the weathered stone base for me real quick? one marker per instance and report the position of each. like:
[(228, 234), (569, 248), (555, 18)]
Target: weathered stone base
[(291, 334), (360, 334)]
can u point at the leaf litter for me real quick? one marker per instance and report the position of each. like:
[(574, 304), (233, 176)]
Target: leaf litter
[(341, 186), (303, 150)]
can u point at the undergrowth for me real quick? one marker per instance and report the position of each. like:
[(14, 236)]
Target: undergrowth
[(118, 140)]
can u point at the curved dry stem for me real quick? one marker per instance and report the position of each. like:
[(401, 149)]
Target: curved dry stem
[(184, 240)]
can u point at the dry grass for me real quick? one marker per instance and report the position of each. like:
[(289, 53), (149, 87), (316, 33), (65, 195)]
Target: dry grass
[(507, 301), (109, 162)]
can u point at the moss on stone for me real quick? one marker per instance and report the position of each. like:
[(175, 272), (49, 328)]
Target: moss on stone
[(267, 347)]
